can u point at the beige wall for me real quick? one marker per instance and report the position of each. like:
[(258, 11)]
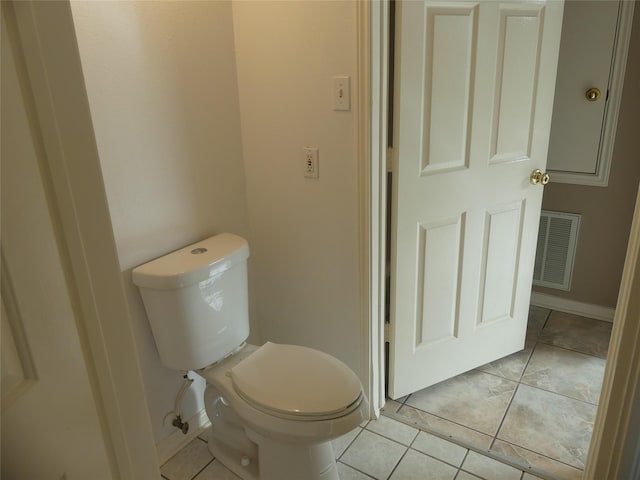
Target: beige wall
[(304, 231), (161, 81), (173, 125), (606, 212)]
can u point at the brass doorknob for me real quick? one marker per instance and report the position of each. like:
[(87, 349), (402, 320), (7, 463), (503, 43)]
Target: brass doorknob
[(538, 176), (592, 94)]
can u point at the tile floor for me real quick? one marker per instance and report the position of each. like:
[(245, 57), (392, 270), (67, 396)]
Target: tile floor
[(527, 416), (380, 449), (535, 408)]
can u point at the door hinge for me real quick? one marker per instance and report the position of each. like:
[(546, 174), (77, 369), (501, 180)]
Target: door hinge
[(387, 329)]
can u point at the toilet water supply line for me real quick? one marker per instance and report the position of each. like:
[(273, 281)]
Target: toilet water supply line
[(177, 420)]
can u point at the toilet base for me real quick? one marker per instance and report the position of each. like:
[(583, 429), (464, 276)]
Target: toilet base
[(286, 461), (253, 456)]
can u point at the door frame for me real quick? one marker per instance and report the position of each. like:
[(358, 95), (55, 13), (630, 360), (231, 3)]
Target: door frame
[(53, 88), (613, 447)]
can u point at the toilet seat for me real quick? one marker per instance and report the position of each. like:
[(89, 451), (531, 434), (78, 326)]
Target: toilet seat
[(296, 383)]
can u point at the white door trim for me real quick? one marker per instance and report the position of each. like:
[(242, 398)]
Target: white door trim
[(372, 145), (610, 436), (72, 177), (622, 373)]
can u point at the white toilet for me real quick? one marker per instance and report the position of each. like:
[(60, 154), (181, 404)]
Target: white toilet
[(274, 409)]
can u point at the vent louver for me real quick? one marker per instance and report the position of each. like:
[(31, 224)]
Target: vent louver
[(556, 248)]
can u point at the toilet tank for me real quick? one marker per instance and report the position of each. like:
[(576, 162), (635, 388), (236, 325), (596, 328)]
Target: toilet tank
[(197, 301)]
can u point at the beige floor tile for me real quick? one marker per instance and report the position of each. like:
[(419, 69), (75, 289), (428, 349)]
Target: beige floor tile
[(569, 373), (512, 366), (577, 333), (462, 475), (474, 399), (417, 466), (531, 459), (537, 318), (348, 473), (393, 429), (444, 427), (391, 406), (441, 449), (341, 443), (374, 455), (204, 435), (489, 468), (549, 424), (216, 471), (187, 462)]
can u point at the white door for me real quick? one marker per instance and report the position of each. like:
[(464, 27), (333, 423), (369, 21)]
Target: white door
[(50, 424), (474, 95)]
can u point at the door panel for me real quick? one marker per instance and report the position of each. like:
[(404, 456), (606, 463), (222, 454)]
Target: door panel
[(502, 238), (439, 248), (474, 92), (516, 75), (451, 46)]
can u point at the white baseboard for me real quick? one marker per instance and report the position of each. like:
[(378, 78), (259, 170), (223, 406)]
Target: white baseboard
[(571, 306), (169, 446)]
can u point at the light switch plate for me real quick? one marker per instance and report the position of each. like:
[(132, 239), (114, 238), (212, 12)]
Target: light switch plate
[(342, 93)]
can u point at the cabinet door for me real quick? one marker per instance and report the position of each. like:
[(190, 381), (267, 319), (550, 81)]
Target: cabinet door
[(586, 52)]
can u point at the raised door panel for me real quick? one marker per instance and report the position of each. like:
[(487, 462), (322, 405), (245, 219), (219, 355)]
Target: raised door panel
[(519, 42), (450, 44), (438, 285)]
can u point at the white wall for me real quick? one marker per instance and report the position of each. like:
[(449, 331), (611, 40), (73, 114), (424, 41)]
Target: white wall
[(161, 81), (304, 231)]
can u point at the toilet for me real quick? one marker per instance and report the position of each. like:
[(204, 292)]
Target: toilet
[(274, 409)]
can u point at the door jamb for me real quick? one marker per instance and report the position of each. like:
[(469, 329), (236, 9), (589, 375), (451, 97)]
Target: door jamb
[(373, 32)]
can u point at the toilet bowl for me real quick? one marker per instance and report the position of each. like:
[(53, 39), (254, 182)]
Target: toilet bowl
[(285, 432), (274, 409)]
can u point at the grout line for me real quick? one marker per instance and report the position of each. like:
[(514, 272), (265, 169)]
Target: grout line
[(445, 436), (568, 349), (559, 394), (521, 382), (439, 459), (195, 477), (524, 370), (504, 416), (470, 446), (385, 437), (535, 469), (462, 462), (350, 443), (397, 463), (357, 470), (499, 376)]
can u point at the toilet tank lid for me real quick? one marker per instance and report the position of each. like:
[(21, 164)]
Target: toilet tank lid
[(193, 263)]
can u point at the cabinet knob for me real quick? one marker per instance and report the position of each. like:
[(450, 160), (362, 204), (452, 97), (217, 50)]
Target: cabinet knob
[(592, 94)]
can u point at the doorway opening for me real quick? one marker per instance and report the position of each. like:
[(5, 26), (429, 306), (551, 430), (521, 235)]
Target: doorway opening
[(529, 370)]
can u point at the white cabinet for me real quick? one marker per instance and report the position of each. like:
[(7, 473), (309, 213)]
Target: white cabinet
[(593, 54)]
